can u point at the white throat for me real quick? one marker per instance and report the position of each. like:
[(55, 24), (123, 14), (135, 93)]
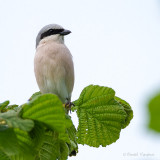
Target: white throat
[(56, 38)]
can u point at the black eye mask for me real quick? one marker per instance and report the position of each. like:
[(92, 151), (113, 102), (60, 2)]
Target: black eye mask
[(51, 32)]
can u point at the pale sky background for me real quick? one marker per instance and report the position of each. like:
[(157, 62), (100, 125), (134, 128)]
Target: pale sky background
[(114, 43)]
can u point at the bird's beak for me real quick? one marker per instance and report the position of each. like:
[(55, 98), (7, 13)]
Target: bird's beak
[(65, 32)]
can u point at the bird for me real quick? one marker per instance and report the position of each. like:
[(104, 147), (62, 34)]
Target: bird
[(53, 63)]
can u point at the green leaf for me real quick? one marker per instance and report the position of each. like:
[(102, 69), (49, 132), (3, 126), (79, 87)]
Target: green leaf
[(154, 113), (26, 144), (72, 145), (14, 140), (3, 156), (3, 105), (47, 109), (35, 95), (13, 106), (64, 151), (3, 127), (22, 157), (127, 109), (12, 120), (8, 142), (37, 135), (65, 136), (50, 149), (101, 117)]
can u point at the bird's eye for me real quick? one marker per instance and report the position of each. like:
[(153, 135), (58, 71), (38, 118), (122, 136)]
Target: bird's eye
[(50, 30)]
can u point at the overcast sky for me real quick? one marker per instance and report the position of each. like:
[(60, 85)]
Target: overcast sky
[(114, 43)]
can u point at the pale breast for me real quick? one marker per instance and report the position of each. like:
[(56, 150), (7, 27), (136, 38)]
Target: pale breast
[(53, 66)]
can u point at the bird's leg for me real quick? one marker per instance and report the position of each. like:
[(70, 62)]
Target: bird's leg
[(68, 105)]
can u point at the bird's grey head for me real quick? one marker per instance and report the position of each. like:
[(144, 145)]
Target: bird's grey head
[(49, 30)]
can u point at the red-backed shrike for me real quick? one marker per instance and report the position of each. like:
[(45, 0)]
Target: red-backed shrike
[(53, 65)]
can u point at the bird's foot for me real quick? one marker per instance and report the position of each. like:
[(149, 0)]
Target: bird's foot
[(68, 105)]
